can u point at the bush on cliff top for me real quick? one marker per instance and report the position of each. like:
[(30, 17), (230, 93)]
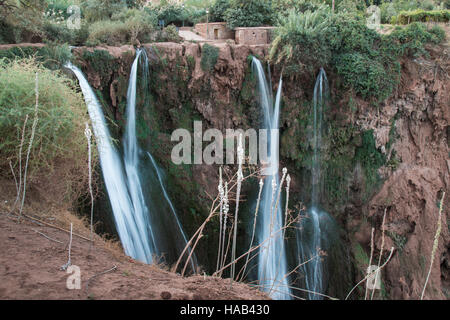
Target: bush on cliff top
[(366, 61), (126, 26), (59, 136), (420, 15), (209, 57), (249, 13)]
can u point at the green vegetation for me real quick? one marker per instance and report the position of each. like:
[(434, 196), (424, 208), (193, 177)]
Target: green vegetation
[(59, 136), (125, 27), (371, 159), (100, 60), (209, 57), (390, 9), (419, 15), (399, 240), (117, 22), (249, 13), (284, 6), (179, 15), (51, 56), (366, 61), (299, 44), (218, 10), (111, 22)]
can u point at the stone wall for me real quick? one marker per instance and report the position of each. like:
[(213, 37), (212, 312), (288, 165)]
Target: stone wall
[(252, 36), (214, 31)]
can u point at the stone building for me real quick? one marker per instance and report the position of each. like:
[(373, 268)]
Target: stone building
[(253, 35), (214, 31)]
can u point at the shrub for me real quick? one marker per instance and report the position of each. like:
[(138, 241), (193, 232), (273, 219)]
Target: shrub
[(406, 17), (366, 61), (108, 32), (172, 13), (51, 56), (22, 22), (218, 10), (169, 34), (351, 6), (97, 10), (58, 32), (284, 6), (58, 8), (390, 9), (209, 57), (410, 40), (59, 134), (349, 32), (444, 4), (387, 11), (249, 13), (140, 25), (369, 77), (100, 60), (299, 42)]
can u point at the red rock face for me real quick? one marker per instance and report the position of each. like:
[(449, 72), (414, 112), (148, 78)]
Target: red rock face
[(412, 192)]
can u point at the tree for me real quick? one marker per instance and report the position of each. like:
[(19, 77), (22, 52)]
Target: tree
[(218, 10), (249, 13)]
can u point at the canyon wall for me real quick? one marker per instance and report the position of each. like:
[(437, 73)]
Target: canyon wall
[(392, 157)]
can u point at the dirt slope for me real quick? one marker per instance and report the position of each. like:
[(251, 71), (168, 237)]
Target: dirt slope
[(30, 269)]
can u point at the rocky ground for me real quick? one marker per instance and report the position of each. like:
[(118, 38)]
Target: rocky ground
[(30, 269), (32, 254)]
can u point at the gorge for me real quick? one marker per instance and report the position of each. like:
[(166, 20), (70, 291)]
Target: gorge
[(224, 97)]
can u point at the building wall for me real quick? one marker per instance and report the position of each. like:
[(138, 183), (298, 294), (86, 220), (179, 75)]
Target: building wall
[(215, 30), (253, 36)]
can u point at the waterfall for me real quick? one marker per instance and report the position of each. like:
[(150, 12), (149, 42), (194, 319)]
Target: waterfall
[(159, 173), (144, 228), (131, 159), (132, 227), (320, 95), (310, 239), (272, 264), (166, 237)]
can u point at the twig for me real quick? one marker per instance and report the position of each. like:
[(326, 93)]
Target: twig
[(202, 226), (261, 184), (20, 163), (381, 251), (221, 196), (45, 236), (40, 222), (240, 177), (299, 289), (370, 274), (435, 244), (284, 231), (370, 263), (96, 275), (64, 267), (15, 181), (88, 134), (33, 130), (251, 250)]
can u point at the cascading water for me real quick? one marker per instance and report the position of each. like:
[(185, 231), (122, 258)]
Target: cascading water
[(165, 238), (320, 97), (160, 174), (132, 229), (131, 158), (144, 228), (310, 238), (272, 264)]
